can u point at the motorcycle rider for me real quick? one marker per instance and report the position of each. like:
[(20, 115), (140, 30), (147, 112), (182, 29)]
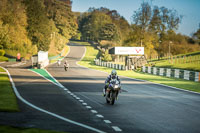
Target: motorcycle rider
[(59, 62), (66, 65), (113, 75)]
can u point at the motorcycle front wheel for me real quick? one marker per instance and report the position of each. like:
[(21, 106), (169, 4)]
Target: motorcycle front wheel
[(112, 97)]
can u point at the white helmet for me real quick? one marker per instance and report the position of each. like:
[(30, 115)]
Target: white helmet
[(113, 73)]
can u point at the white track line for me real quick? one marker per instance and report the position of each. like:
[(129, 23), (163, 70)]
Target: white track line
[(100, 116), (107, 121), (88, 107), (47, 112), (94, 111), (117, 129)]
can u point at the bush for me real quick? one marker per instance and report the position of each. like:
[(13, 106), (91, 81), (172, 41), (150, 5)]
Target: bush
[(2, 52), (106, 56)]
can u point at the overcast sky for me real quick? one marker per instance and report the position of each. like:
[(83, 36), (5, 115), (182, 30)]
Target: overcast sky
[(190, 9)]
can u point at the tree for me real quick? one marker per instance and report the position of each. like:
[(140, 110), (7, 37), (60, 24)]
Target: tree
[(196, 36), (109, 32), (92, 24), (39, 26), (4, 37), (142, 16), (154, 25), (13, 22), (64, 19)]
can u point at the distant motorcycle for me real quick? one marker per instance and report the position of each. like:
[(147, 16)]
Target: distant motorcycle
[(59, 62), (66, 66), (112, 91)]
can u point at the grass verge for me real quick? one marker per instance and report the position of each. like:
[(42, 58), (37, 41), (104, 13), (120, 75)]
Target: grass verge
[(61, 56), (195, 66), (8, 129), (88, 61), (8, 101), (2, 58), (2, 70)]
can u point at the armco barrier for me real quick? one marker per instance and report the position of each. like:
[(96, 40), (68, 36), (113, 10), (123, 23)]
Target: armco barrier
[(109, 65), (175, 73)]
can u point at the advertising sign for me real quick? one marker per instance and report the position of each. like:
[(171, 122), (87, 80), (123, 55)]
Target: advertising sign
[(129, 50)]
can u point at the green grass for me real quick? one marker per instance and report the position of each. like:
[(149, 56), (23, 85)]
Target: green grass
[(2, 70), (91, 53), (8, 100), (2, 58), (187, 66), (191, 61), (8, 129), (54, 58)]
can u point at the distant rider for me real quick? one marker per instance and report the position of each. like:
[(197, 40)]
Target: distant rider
[(59, 62), (66, 65), (113, 75)]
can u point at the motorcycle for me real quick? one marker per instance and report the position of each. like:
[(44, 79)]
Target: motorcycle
[(59, 62), (66, 66), (112, 91)]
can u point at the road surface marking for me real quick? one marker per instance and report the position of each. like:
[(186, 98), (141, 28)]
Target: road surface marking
[(65, 89), (94, 111), (92, 100), (107, 121), (80, 100), (100, 116), (117, 129), (77, 98), (84, 103), (45, 111), (88, 107)]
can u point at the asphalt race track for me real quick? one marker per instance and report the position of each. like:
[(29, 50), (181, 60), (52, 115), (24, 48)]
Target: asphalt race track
[(142, 107)]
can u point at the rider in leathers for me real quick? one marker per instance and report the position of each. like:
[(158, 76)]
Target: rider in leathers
[(113, 75)]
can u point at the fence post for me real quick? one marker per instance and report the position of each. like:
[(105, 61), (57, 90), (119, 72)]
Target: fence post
[(116, 66), (177, 71), (149, 69), (186, 75), (197, 77), (168, 73), (161, 71), (120, 67), (143, 68)]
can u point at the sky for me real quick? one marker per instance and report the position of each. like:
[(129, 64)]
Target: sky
[(190, 9)]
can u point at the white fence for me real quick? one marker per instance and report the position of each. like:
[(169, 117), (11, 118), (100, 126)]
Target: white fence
[(175, 73), (109, 65)]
